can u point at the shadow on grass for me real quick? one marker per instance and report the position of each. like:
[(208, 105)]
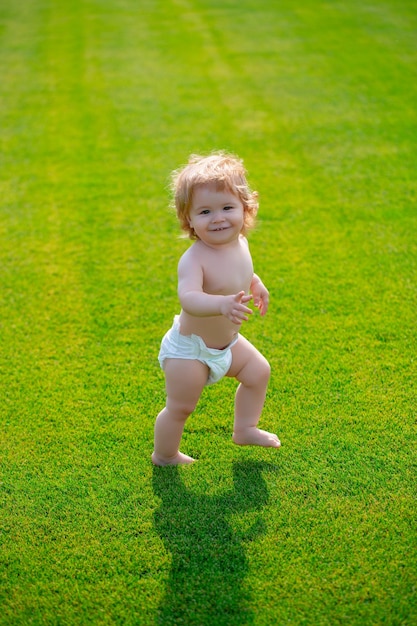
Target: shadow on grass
[(209, 564)]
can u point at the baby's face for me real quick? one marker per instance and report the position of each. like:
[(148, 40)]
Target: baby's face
[(216, 215)]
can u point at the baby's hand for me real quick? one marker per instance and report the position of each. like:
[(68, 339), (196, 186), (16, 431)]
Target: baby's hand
[(260, 296), (234, 309)]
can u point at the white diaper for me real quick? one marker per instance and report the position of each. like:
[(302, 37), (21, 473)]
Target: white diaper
[(177, 346)]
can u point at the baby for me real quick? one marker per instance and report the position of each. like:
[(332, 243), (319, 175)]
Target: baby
[(216, 207)]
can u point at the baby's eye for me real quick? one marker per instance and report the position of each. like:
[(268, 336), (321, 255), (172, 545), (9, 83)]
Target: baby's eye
[(227, 208), (204, 212)]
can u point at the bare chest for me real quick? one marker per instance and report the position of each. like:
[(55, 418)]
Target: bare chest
[(228, 273)]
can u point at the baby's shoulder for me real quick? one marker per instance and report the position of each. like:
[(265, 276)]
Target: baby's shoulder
[(191, 256), (243, 241), (197, 251), (191, 252)]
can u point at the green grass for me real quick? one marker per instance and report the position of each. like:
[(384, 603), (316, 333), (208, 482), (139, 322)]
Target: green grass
[(100, 100)]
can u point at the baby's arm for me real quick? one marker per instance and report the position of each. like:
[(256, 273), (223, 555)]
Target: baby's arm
[(260, 294), (200, 304)]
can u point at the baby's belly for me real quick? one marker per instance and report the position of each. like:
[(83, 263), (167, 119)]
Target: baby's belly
[(216, 332)]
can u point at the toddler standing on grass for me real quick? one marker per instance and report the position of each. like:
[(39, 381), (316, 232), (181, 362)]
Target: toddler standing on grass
[(216, 207)]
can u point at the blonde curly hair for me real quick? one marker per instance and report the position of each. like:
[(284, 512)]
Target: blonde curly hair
[(226, 171)]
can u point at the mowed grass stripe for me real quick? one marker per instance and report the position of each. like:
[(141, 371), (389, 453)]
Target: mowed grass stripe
[(62, 478)]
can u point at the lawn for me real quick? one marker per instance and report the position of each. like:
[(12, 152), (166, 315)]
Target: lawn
[(99, 101)]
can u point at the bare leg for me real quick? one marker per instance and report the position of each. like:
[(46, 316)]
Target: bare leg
[(252, 370), (185, 380)]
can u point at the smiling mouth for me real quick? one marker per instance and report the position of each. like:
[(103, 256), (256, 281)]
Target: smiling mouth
[(215, 230)]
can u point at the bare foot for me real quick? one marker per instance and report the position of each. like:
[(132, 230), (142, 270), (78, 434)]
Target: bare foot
[(256, 437), (178, 459)]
